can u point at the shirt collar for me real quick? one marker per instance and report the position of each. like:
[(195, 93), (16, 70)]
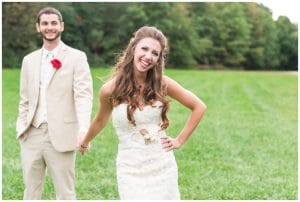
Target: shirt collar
[(54, 51)]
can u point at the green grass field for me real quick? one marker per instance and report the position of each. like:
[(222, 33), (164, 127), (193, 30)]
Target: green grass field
[(244, 148)]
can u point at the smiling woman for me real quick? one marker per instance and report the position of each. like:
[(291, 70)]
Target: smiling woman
[(136, 98), (147, 54)]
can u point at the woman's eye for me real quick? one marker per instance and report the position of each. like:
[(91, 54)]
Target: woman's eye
[(155, 53)]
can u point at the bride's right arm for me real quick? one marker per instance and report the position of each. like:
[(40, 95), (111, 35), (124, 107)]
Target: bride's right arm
[(102, 116)]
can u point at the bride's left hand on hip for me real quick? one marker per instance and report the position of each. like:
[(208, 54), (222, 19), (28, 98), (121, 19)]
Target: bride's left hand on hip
[(169, 143)]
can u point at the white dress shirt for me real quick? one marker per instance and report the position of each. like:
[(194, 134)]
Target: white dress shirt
[(46, 74)]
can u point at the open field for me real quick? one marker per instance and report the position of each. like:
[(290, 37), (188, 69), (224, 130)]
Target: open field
[(244, 148)]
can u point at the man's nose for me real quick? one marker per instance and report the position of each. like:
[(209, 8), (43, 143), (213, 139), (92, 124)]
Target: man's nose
[(50, 26)]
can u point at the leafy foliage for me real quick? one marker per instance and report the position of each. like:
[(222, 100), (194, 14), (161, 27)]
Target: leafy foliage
[(236, 35)]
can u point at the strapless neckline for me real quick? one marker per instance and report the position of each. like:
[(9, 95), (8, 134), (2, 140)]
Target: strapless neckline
[(156, 103)]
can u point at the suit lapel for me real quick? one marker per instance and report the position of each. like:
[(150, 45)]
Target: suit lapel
[(37, 73), (60, 56)]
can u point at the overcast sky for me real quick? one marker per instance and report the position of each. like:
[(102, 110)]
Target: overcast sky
[(283, 7), (278, 7)]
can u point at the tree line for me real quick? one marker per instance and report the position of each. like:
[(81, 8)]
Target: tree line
[(239, 35)]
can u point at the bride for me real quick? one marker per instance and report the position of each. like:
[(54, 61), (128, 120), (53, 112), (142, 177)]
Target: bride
[(135, 97)]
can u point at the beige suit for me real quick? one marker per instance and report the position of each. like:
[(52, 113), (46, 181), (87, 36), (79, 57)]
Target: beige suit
[(69, 104)]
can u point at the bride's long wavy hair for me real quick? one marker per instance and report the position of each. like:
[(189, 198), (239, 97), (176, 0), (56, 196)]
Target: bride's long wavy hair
[(126, 89)]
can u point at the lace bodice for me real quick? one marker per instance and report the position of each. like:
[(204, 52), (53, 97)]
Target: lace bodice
[(144, 169), (147, 130)]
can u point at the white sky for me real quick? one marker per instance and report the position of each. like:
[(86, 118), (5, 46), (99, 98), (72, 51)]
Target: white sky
[(283, 7), (278, 7)]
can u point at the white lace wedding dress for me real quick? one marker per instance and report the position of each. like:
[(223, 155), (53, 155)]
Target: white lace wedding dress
[(144, 169)]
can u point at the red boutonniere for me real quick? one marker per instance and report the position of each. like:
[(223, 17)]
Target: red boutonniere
[(56, 63)]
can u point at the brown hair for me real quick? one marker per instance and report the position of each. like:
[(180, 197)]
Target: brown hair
[(49, 10), (126, 89)]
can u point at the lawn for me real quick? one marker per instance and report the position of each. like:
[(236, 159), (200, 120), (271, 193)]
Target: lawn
[(245, 147)]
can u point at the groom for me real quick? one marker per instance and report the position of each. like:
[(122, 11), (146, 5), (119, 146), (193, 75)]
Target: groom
[(54, 109)]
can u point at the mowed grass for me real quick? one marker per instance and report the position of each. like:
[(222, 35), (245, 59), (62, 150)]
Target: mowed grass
[(244, 148)]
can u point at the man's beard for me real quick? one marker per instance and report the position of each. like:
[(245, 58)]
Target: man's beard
[(51, 39)]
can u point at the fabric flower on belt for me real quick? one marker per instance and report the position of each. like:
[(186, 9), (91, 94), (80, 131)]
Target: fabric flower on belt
[(148, 137), (56, 63)]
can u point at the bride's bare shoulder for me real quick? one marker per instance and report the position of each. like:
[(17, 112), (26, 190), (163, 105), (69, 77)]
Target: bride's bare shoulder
[(107, 88)]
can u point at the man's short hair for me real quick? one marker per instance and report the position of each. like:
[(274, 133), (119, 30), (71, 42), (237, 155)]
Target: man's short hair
[(49, 10)]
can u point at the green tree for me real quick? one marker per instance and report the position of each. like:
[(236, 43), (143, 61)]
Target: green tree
[(224, 32), (264, 49), (173, 19), (128, 18), (288, 43), (235, 33), (18, 32), (204, 22), (229, 34)]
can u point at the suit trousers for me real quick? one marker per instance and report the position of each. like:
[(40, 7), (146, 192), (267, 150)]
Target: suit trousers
[(38, 155)]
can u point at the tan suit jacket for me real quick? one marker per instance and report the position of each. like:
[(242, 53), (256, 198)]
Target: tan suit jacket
[(69, 96)]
